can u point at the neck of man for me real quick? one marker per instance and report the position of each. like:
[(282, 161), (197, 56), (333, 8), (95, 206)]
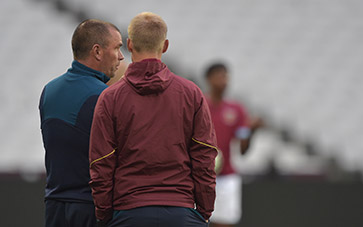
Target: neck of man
[(139, 56), (216, 96), (89, 63)]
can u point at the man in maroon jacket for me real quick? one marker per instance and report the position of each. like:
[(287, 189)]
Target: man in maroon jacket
[(153, 146)]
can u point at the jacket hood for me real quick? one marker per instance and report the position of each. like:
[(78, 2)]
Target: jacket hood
[(149, 76)]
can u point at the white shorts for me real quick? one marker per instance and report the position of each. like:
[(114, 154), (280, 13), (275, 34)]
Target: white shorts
[(228, 207)]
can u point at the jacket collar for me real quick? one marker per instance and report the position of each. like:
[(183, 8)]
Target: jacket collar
[(149, 76), (77, 67)]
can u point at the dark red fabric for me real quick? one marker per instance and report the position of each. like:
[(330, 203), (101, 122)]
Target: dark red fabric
[(160, 127), (227, 118)]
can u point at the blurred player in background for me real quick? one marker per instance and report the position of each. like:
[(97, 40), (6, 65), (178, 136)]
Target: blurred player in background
[(153, 146), (231, 122), (66, 110)]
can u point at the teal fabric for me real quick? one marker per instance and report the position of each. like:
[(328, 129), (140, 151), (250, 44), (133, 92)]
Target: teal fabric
[(117, 213), (195, 211)]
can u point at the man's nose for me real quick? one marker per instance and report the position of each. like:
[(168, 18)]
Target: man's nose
[(120, 56)]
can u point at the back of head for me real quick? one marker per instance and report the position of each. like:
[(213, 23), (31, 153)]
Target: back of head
[(89, 33), (147, 31)]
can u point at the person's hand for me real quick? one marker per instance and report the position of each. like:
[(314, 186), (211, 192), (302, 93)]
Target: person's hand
[(256, 123)]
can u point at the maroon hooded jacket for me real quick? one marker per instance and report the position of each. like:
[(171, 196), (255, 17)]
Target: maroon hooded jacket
[(152, 143)]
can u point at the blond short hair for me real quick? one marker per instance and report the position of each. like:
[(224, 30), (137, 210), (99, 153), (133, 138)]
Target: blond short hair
[(147, 31)]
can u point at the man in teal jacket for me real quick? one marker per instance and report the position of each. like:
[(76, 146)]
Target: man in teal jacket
[(66, 110)]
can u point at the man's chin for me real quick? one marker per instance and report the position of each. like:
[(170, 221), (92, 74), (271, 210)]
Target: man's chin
[(111, 75)]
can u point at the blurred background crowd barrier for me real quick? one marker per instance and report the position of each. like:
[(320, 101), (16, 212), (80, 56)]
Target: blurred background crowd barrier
[(297, 64)]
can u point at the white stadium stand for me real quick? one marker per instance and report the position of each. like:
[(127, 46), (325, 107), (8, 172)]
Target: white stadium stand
[(35, 47)]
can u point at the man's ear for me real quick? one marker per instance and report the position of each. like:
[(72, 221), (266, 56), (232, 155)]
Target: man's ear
[(130, 46), (96, 52), (166, 45)]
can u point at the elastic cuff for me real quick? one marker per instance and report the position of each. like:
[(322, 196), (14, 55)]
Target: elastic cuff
[(104, 215), (243, 133)]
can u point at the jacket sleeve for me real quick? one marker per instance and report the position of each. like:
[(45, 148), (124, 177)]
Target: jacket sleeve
[(203, 152), (102, 157)]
